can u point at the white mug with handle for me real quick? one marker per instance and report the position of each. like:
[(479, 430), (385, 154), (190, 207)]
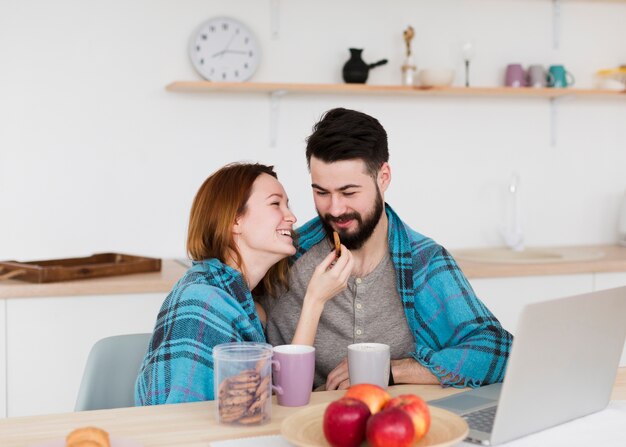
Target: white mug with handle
[(369, 363)]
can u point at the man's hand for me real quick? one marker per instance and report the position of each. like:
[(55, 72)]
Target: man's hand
[(410, 371), (403, 370), (339, 378)]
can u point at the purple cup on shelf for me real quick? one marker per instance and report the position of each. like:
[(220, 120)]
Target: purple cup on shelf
[(515, 76), (293, 372)]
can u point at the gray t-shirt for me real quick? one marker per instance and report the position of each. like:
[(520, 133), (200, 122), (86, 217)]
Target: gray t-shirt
[(369, 310)]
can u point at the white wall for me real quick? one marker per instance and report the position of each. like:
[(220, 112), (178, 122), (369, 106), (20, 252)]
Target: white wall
[(95, 155)]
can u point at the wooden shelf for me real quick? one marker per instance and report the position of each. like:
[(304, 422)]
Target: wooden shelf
[(341, 89)]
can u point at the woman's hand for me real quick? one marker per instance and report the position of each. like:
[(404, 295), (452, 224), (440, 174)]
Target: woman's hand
[(329, 278)]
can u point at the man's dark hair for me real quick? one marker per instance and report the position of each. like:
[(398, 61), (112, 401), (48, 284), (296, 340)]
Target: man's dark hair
[(344, 134)]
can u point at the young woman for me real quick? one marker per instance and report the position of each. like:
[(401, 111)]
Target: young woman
[(240, 234)]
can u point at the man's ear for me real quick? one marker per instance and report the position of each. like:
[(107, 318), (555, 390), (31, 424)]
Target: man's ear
[(384, 177)]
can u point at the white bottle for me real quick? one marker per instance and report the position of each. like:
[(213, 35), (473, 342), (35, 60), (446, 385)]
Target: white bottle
[(622, 223), (408, 72), (513, 230)]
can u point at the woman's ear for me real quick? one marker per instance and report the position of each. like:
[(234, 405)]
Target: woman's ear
[(237, 226)]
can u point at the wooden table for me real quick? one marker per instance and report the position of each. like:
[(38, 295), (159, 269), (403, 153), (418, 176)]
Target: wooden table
[(189, 425)]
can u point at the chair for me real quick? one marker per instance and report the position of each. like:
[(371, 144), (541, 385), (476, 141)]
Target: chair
[(111, 371)]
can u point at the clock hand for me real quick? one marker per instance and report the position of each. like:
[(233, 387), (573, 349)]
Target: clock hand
[(225, 50), (221, 53)]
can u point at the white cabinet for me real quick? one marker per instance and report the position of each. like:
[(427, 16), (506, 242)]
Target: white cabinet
[(3, 360), (506, 297), (48, 340)]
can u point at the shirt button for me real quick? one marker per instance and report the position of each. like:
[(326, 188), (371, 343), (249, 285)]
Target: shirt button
[(358, 306), (358, 281), (359, 332)]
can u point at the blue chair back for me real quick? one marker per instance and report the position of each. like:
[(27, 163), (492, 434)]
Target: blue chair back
[(111, 371)]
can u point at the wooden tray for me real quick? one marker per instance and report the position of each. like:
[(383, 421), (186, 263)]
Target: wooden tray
[(94, 266), (304, 428)]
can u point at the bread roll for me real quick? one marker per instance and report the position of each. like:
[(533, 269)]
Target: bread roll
[(88, 437)]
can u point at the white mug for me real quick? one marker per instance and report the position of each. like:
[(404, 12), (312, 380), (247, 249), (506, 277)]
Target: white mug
[(369, 363)]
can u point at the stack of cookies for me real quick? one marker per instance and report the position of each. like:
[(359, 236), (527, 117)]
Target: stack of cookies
[(244, 398)]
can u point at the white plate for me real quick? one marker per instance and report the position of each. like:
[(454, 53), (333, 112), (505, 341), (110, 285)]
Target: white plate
[(115, 442), (304, 428)]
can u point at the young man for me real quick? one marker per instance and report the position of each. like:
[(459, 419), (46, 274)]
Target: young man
[(405, 290)]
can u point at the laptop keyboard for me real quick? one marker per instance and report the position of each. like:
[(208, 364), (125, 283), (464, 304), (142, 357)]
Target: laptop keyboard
[(481, 420)]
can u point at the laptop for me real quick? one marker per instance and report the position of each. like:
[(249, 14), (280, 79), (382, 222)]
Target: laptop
[(562, 366)]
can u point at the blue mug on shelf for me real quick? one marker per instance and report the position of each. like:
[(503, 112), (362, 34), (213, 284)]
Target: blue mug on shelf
[(560, 77)]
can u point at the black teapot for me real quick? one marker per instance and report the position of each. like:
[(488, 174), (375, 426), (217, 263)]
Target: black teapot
[(355, 71)]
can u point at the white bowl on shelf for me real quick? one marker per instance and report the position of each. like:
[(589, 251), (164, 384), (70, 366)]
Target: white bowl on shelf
[(610, 84), (436, 77)]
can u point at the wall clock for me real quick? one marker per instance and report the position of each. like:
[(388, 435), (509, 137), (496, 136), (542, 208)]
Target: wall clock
[(224, 49)]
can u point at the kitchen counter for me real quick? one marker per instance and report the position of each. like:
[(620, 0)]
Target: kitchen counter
[(152, 282), (614, 260)]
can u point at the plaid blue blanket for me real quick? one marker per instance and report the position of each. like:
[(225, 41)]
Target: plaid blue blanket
[(456, 337), (209, 305)]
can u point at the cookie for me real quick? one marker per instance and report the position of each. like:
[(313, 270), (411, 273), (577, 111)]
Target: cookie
[(263, 386), (254, 419), (235, 392), (245, 376), (260, 365), (244, 386), (258, 404), (230, 410), (233, 415), (223, 388), (233, 401)]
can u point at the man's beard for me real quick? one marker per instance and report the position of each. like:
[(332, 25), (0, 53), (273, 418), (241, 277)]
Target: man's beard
[(365, 228)]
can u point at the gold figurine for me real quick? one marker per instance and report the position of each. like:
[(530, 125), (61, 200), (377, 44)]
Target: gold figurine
[(408, 68), (409, 33)]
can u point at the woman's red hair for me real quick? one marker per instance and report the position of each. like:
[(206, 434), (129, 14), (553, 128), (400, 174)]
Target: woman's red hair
[(219, 201)]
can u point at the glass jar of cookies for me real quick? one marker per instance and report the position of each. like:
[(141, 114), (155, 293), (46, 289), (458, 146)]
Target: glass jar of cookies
[(243, 382)]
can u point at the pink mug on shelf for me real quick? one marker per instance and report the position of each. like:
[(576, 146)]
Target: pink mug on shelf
[(515, 76)]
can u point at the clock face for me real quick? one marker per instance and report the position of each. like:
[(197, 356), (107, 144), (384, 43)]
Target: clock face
[(223, 49)]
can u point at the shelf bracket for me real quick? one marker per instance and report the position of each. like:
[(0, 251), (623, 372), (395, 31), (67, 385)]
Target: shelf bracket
[(274, 112), (556, 23), (553, 123), (275, 18), (554, 102)]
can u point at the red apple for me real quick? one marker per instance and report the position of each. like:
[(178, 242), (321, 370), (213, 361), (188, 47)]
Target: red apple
[(390, 428), (344, 422), (416, 408), (372, 395)]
